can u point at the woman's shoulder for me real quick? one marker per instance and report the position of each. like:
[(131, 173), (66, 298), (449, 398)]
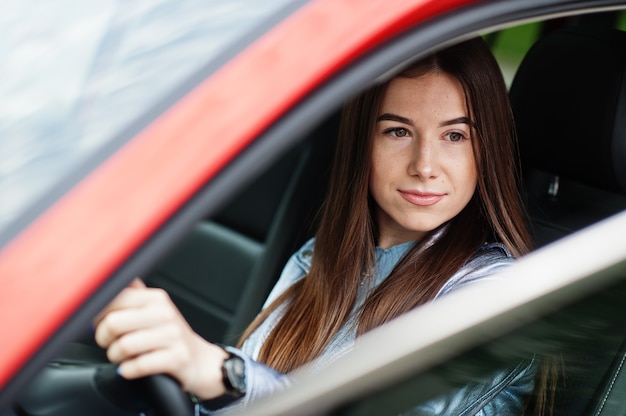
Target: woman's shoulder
[(295, 269), (488, 259), (304, 255), (490, 252)]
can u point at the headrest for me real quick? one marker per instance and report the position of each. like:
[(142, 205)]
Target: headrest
[(569, 102)]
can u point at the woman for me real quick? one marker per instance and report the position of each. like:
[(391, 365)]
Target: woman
[(423, 172)]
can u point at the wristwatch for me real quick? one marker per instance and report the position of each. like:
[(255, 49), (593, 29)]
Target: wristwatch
[(234, 379), (234, 376)]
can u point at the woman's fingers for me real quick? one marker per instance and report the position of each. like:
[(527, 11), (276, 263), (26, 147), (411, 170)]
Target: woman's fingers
[(158, 350), (134, 309), (137, 283), (120, 322), (145, 341), (161, 361), (134, 295)]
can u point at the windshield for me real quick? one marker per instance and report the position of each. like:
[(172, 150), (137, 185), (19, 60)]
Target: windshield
[(76, 73)]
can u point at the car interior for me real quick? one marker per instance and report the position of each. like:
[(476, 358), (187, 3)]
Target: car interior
[(569, 101)]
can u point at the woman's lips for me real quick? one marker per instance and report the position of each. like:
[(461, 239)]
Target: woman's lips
[(422, 199)]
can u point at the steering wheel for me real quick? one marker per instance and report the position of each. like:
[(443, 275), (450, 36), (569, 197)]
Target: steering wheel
[(159, 394), (167, 397), (84, 384)]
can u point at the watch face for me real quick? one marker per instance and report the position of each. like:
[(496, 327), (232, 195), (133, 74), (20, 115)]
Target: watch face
[(236, 371)]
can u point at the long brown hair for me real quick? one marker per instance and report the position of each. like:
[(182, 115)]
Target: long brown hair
[(320, 304)]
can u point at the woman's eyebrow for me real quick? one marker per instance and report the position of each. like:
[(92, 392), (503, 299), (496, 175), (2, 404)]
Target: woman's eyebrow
[(408, 121), (394, 117), (458, 120)]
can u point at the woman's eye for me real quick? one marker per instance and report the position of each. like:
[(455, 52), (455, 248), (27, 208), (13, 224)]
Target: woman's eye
[(398, 132), (455, 136)]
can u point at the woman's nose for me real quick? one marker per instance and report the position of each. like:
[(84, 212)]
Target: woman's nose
[(424, 159)]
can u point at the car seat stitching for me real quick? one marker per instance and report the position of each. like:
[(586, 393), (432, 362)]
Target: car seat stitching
[(496, 389), (611, 385)]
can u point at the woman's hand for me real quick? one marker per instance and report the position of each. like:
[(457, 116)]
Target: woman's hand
[(143, 332)]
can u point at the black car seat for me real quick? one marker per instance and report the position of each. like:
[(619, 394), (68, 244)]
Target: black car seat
[(221, 273), (569, 101)]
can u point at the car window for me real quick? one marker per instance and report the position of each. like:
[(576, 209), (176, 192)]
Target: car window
[(621, 21), (510, 45), (75, 74)]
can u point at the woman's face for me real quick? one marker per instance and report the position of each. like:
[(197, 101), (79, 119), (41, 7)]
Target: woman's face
[(423, 169)]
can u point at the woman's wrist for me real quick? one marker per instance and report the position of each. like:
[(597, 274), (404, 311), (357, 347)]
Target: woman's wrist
[(209, 380), (232, 387)]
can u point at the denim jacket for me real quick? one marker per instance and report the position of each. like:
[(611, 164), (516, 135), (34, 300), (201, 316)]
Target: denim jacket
[(501, 394)]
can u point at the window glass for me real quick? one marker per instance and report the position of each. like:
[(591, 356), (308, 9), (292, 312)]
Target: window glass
[(75, 73), (509, 46), (621, 20)]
